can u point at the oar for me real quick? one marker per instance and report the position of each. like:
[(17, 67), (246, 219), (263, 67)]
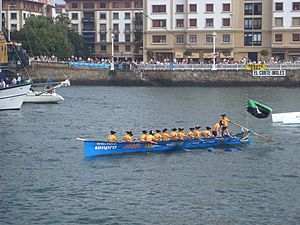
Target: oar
[(256, 134), (81, 139)]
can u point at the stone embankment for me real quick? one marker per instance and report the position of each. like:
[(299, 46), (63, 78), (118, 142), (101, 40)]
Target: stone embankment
[(40, 71)]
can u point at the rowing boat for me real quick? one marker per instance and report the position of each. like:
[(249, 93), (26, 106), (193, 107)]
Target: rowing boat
[(99, 148)]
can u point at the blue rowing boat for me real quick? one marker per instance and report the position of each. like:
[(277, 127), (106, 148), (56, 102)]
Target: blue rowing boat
[(98, 148)]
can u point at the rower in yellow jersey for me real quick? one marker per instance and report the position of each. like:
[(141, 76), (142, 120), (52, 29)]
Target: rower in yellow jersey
[(150, 137), (181, 135), (216, 129), (165, 135), (128, 137), (173, 134), (191, 134), (197, 133), (143, 136), (157, 136), (112, 137), (225, 121), (207, 133)]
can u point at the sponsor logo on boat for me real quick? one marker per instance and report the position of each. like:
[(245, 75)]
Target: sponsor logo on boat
[(105, 147), (131, 146)]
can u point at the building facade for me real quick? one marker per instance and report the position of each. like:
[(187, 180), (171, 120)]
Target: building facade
[(107, 24), (178, 29), (15, 12)]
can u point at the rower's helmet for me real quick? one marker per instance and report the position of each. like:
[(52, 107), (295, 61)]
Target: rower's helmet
[(198, 127), (192, 128), (130, 133), (164, 130), (223, 115), (208, 128), (180, 129), (144, 132), (157, 131), (127, 132), (151, 132), (113, 131), (174, 129)]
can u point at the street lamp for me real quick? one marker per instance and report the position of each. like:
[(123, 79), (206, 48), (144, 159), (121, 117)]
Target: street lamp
[(214, 34), (112, 67)]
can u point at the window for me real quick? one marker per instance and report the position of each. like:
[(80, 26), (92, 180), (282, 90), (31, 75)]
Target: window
[(159, 23), (159, 39), (209, 22), (278, 37), (116, 38), (138, 4), (179, 8), (74, 16), (116, 27), (74, 5), (193, 39), (127, 27), (193, 7), (127, 5), (13, 16), (278, 6), (103, 48), (102, 16), (296, 21), (296, 6), (179, 23), (226, 38), (127, 38), (252, 24), (209, 7), (115, 16), (24, 16), (116, 48), (74, 27), (127, 16), (252, 38), (88, 5), (257, 23), (102, 38), (248, 24), (103, 6), (226, 22), (127, 48), (253, 9), (278, 21), (193, 22), (226, 7), (102, 27), (13, 27), (115, 5), (158, 8), (296, 37), (179, 39), (209, 39)]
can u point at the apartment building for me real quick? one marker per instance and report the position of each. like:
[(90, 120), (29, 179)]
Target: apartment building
[(177, 29), (15, 12), (107, 24)]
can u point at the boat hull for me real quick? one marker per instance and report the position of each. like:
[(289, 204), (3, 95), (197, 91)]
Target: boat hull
[(13, 97), (99, 148), (43, 98), (286, 118)]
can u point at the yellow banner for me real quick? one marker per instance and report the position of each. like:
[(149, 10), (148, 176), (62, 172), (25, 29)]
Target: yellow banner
[(256, 67), (3, 49)]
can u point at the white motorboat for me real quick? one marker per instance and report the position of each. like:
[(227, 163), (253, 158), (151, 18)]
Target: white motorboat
[(12, 97), (48, 95), (286, 118)]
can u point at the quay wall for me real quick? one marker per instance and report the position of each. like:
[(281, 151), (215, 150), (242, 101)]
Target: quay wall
[(78, 76)]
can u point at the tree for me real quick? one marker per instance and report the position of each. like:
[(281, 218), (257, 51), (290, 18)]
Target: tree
[(43, 36), (264, 53), (187, 53)]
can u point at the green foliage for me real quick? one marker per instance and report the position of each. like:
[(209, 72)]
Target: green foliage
[(43, 36), (187, 52), (264, 52)]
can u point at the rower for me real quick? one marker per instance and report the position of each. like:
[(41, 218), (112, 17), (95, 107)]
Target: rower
[(157, 136), (165, 135), (207, 133), (143, 136), (190, 134), (112, 137), (225, 121), (173, 134), (128, 137), (197, 132), (181, 135), (150, 137), (216, 129)]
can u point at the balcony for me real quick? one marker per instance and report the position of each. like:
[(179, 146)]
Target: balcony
[(88, 19), (88, 31), (116, 31), (103, 31), (127, 31)]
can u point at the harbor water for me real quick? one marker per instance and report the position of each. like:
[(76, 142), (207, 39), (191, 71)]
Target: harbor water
[(45, 179)]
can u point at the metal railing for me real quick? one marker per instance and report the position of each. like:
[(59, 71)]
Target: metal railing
[(173, 66)]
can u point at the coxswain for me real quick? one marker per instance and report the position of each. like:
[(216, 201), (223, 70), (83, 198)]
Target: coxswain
[(197, 133), (165, 135), (157, 136), (150, 137), (128, 137), (181, 135), (143, 136), (112, 137), (190, 134), (216, 129), (225, 121), (207, 133), (173, 134)]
